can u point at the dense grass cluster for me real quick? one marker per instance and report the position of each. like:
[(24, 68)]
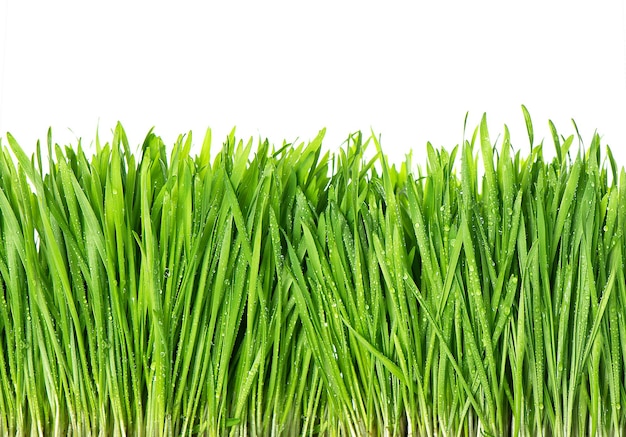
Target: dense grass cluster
[(287, 292)]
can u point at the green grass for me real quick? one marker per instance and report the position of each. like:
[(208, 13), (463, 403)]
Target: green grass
[(284, 291)]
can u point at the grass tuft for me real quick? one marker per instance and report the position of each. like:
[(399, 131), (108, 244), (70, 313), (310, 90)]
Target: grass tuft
[(284, 291)]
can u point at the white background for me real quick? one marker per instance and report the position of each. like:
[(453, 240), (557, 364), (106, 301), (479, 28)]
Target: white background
[(284, 70)]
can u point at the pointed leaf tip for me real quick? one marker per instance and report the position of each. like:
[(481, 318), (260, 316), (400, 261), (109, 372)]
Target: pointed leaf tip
[(529, 125)]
